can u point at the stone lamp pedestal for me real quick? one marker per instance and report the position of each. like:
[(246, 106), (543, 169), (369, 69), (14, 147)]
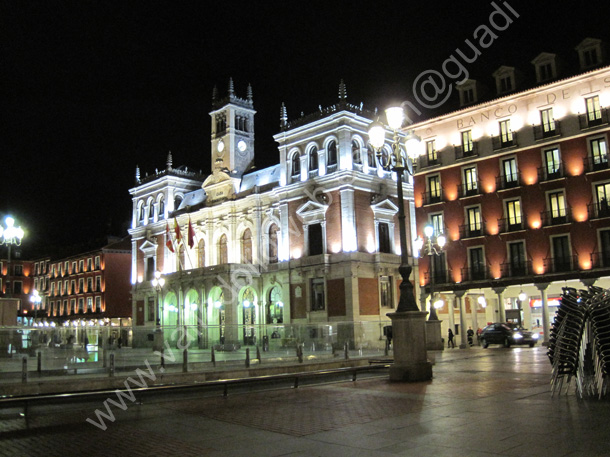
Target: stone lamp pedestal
[(409, 338)]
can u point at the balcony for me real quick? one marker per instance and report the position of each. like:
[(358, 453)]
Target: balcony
[(542, 132), (431, 198), (438, 277), (546, 174), (425, 162), (598, 210), (511, 181), (469, 190), (509, 225), (462, 153), (600, 259), (596, 163), (516, 269), (560, 264), (551, 218), (593, 119), (504, 141), (471, 231), (479, 273)]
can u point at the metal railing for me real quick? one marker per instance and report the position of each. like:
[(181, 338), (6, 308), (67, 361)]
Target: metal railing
[(541, 133)]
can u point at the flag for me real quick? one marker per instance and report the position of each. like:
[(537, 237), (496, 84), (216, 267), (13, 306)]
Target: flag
[(191, 235), (177, 230), (168, 238)]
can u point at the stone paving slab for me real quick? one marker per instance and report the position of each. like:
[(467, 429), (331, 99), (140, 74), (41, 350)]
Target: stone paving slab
[(493, 402)]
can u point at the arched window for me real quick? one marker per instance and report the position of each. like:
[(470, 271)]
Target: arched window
[(276, 307), (370, 157), (222, 250), (246, 246), (295, 165), (332, 153), (142, 215), (201, 253), (273, 243), (161, 213), (151, 211), (313, 159), (177, 202), (356, 153)]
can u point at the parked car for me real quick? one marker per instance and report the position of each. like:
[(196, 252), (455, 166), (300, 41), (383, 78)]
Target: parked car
[(507, 334)]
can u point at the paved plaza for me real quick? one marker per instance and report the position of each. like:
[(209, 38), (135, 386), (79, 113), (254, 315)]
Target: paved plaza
[(481, 402)]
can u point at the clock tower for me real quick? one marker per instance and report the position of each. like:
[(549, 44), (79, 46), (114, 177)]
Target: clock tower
[(232, 132)]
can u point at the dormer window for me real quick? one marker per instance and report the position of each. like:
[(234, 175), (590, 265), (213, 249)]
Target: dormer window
[(468, 92), (589, 53), (505, 80), (546, 68)]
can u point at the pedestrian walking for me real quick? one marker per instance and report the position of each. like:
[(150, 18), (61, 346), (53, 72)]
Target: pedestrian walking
[(450, 342), (470, 335)]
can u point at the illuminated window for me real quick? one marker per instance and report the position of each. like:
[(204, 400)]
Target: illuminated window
[(599, 152), (552, 163), (602, 194), (509, 168), (437, 223), (431, 152), (473, 220), (547, 120), (471, 184), (385, 292), (317, 294), (222, 250), (89, 304), (506, 134), (513, 214), (434, 188), (594, 113), (467, 144), (557, 204)]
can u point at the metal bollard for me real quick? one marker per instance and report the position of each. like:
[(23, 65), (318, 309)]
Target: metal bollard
[(39, 362), (24, 370), (300, 353), (346, 350), (387, 348), (213, 357), (185, 361), (163, 358), (258, 354), (111, 370), (247, 357)]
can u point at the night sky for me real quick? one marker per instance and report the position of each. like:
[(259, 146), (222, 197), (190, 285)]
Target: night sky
[(90, 89)]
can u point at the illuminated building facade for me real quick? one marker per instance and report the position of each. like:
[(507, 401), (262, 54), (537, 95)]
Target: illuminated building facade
[(15, 287), (310, 240), (520, 187)]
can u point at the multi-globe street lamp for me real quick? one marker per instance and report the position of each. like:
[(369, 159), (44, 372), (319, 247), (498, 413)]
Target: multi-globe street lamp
[(431, 245), (158, 282), (35, 298), (10, 235), (408, 322)]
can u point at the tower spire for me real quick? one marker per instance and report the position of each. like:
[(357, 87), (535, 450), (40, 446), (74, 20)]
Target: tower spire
[(231, 88), (342, 92), (249, 93), (138, 173), (283, 116), (170, 160)]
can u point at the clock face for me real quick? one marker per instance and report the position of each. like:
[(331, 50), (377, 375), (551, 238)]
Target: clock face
[(220, 147), (241, 145)]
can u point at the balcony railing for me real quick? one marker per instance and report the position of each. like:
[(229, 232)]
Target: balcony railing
[(598, 210), (550, 218), (560, 264), (546, 174), (475, 273), (468, 190), (502, 141), (461, 153), (425, 162), (593, 119), (433, 197), (541, 133), (510, 225), (508, 181), (516, 269), (596, 163), (471, 231), (440, 276), (600, 259)]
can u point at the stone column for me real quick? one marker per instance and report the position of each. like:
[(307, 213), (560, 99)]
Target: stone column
[(459, 296), (501, 317), (545, 312)]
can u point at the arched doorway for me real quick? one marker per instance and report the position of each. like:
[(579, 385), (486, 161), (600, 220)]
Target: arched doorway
[(249, 316), (275, 310)]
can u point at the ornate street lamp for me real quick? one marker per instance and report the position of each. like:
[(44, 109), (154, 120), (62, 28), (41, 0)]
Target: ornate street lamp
[(431, 245), (408, 322), (35, 298), (158, 282), (397, 162), (10, 235)]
